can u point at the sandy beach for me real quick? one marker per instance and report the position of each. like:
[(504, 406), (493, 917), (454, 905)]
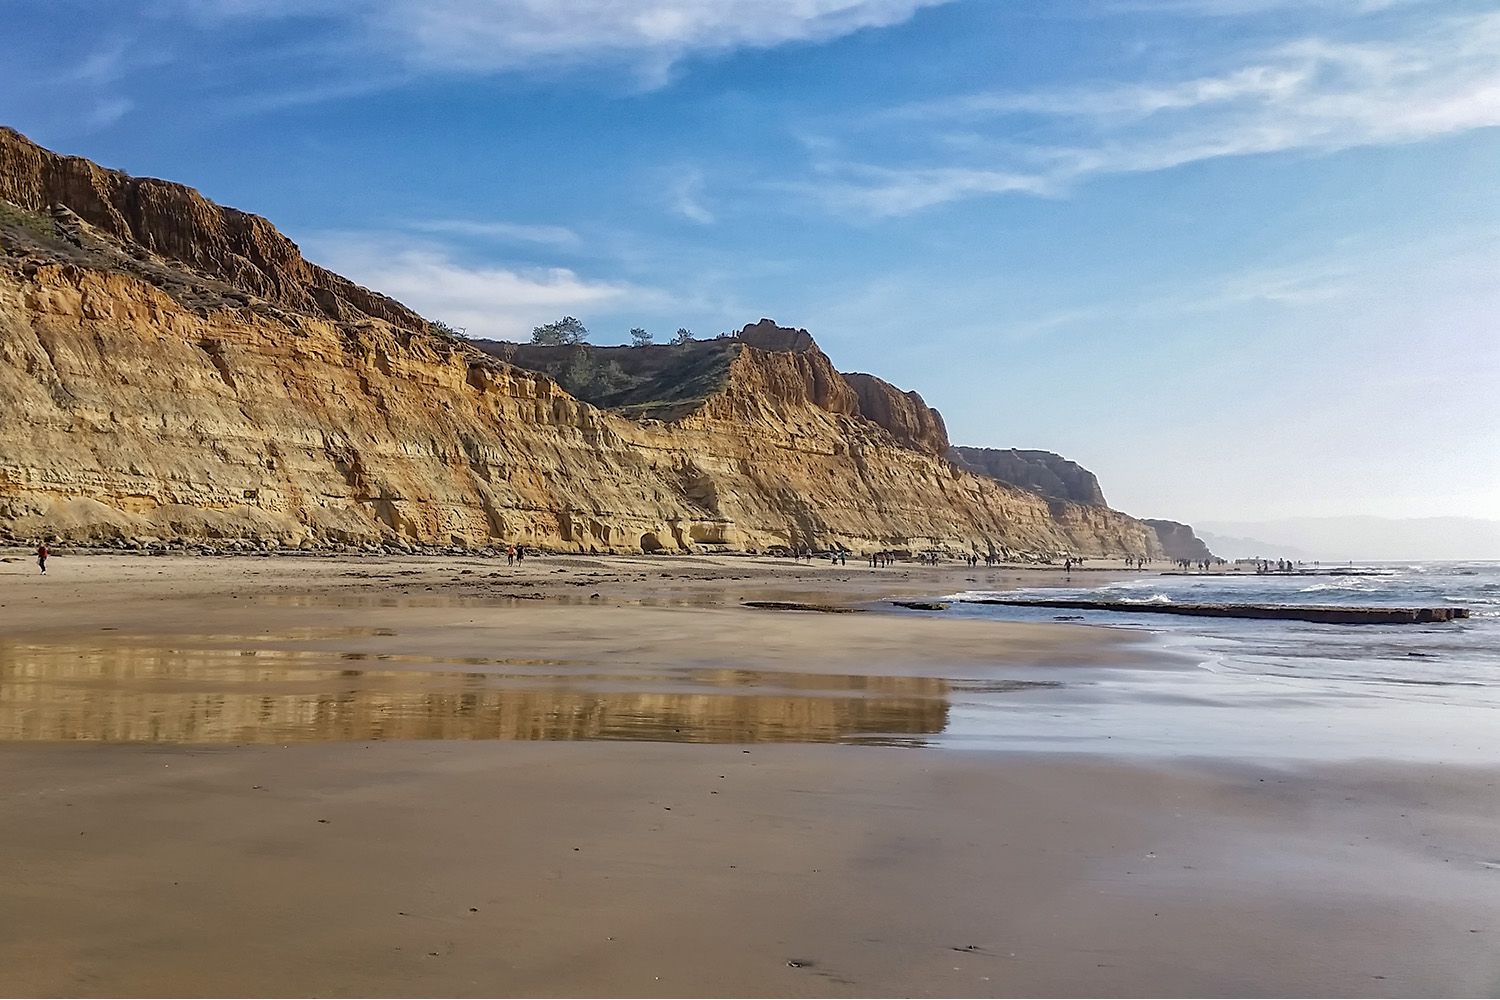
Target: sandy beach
[(383, 776)]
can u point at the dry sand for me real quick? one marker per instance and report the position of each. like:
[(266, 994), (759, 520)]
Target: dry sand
[(191, 800)]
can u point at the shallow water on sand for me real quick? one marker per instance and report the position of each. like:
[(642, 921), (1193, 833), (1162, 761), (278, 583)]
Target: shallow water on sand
[(200, 690), (1281, 688), (1220, 688)]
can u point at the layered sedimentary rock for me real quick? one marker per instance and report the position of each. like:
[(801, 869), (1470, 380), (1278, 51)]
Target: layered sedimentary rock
[(1040, 471), (1178, 540), (169, 368), (905, 414)]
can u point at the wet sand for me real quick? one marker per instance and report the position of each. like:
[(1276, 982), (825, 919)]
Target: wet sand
[(306, 776)]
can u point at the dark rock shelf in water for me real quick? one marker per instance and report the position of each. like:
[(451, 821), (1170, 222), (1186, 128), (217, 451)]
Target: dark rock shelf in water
[(1329, 614), (826, 609), (1280, 572)]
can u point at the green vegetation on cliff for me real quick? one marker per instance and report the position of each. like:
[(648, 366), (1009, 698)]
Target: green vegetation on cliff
[(653, 381)]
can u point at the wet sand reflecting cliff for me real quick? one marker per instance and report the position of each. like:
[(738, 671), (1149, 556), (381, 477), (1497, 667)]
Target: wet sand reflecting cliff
[(206, 694)]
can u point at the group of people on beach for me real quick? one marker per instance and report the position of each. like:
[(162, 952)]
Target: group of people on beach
[(876, 560), (1279, 566)]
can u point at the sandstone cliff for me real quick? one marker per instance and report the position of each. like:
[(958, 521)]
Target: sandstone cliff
[(1040, 471), (1178, 540), (905, 414), (170, 368)]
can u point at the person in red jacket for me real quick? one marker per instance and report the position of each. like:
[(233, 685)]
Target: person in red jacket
[(42, 552)]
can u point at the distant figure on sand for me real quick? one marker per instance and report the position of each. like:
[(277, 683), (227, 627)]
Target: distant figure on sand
[(510, 556), (42, 552)]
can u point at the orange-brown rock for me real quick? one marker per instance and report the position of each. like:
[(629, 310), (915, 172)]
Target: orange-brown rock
[(175, 222), (1178, 540), (905, 414), (1040, 471)]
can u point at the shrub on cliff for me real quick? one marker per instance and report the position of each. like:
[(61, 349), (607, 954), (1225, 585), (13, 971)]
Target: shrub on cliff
[(639, 337), (588, 377), (441, 329), (568, 330), (684, 336)]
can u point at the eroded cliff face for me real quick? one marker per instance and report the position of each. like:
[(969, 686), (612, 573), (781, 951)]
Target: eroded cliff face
[(1041, 471), (154, 218), (149, 394), (1178, 540), (905, 414), (138, 417)]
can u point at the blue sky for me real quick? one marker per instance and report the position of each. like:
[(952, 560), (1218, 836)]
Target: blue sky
[(1240, 257)]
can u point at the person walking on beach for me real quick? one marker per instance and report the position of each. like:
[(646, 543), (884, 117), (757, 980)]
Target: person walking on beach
[(520, 554), (42, 552), (510, 556)]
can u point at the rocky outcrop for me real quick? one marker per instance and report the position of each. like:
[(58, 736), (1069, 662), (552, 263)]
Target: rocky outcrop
[(768, 336), (905, 414), (149, 394), (150, 217), (1040, 471), (1178, 540)]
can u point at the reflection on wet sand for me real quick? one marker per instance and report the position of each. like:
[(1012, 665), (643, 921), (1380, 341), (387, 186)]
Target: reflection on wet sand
[(216, 695)]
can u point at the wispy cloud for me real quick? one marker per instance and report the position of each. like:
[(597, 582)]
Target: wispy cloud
[(858, 188), (686, 196), (499, 231), (1241, 8), (96, 82), (650, 36), (108, 110), (1449, 271), (104, 65), (486, 299), (301, 94), (1313, 94)]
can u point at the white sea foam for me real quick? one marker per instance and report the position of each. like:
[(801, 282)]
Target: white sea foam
[(1153, 599), (1348, 584)]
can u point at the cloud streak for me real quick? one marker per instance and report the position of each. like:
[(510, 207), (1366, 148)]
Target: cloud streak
[(1311, 95), (650, 36), (486, 300), (560, 237), (686, 197)]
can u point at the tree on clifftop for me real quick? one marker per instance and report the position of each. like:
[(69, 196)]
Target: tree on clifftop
[(684, 336), (567, 330), (639, 337), (442, 329)]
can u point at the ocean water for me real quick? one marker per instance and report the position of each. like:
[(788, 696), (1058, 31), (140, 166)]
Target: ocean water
[(1268, 689)]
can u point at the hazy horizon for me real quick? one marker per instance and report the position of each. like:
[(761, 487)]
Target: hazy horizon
[(1238, 259), (1361, 538)]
